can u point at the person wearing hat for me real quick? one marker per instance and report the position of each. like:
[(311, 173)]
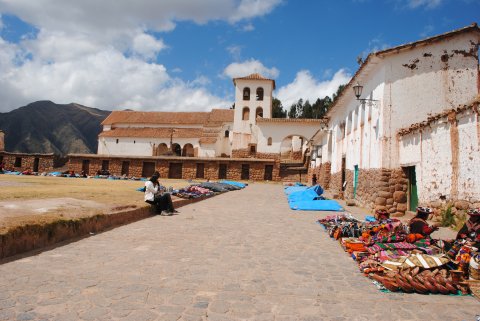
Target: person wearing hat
[(155, 195), (471, 228), (419, 225)]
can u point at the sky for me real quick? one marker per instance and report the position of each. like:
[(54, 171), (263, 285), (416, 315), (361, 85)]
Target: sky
[(181, 55)]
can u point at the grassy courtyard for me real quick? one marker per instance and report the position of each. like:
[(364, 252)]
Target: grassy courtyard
[(37, 199)]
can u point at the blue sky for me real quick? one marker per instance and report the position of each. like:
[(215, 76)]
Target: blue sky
[(181, 55)]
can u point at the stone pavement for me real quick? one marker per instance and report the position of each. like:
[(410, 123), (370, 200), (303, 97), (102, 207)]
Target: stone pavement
[(242, 255)]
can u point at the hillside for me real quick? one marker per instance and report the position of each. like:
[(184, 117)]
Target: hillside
[(46, 127)]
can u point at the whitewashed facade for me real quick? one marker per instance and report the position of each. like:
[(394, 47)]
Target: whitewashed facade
[(420, 135)]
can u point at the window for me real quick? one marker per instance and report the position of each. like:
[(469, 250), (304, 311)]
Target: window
[(269, 141), (259, 93), (259, 112), (253, 148), (18, 162), (227, 133), (246, 93), (246, 113), (134, 142)]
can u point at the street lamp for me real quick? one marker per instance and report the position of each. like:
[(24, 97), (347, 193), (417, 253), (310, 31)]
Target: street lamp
[(357, 89)]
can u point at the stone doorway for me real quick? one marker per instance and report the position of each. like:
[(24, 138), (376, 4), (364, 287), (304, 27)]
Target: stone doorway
[(344, 173), (245, 172), (36, 162), (148, 169), (86, 166), (125, 168), (412, 187), (268, 175), (222, 171)]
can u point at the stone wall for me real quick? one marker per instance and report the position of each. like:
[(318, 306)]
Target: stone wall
[(45, 161), (322, 173), (189, 167), (2, 141), (377, 189)]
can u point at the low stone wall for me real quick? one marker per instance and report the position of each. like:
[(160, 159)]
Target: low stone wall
[(188, 166), (27, 161), (377, 189), (34, 237)]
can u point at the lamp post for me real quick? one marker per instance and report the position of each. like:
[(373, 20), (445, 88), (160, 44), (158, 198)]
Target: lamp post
[(357, 89)]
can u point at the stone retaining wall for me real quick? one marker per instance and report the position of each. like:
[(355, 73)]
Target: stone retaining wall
[(45, 161), (377, 189), (38, 236)]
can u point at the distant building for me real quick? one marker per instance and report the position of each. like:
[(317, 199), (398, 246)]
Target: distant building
[(414, 139), (222, 143), (14, 161)]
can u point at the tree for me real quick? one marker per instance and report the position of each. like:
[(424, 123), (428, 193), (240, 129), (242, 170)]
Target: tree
[(307, 110), (339, 91), (277, 109)]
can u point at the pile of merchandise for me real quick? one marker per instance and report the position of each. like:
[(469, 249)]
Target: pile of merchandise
[(399, 261), (207, 189)]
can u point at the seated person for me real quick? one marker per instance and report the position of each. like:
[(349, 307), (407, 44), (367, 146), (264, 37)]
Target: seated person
[(419, 225), (471, 228), (155, 195)]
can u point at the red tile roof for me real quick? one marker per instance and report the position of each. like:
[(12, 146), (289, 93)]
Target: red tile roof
[(254, 76), (153, 132), (290, 120), (139, 117)]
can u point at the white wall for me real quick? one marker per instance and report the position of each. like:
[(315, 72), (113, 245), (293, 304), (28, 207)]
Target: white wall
[(279, 131), (430, 151), (129, 146)]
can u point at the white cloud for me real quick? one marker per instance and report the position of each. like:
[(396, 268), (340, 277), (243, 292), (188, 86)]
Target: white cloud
[(106, 79), (102, 53), (235, 51), (241, 69), (427, 30), (248, 27), (307, 87), (147, 46), (430, 4)]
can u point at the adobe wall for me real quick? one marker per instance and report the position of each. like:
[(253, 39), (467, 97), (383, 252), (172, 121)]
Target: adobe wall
[(45, 163), (189, 167)]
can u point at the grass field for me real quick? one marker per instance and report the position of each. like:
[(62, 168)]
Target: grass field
[(39, 199)]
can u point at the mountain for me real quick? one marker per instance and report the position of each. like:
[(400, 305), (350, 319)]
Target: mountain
[(46, 127)]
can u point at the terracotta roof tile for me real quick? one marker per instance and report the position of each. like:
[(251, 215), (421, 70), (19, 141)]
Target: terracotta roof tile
[(290, 120), (221, 115), (139, 117), (153, 132), (254, 76)]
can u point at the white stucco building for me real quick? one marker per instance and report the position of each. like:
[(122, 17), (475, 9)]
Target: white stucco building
[(413, 137), (246, 132)]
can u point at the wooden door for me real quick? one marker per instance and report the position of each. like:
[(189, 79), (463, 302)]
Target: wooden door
[(125, 168), (268, 176), (175, 170), (222, 171), (148, 169), (36, 162), (245, 172), (86, 166), (200, 170)]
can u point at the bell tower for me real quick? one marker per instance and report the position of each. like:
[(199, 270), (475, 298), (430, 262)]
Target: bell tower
[(253, 99)]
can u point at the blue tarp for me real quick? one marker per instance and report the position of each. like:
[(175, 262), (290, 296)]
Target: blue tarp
[(309, 199), (290, 189), (238, 184), (316, 205)]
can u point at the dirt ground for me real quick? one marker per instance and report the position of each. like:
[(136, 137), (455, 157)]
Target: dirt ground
[(39, 199)]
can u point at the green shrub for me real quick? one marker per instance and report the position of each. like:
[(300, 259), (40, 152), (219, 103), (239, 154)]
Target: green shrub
[(448, 219)]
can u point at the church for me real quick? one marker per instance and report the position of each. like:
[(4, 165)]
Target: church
[(240, 143)]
